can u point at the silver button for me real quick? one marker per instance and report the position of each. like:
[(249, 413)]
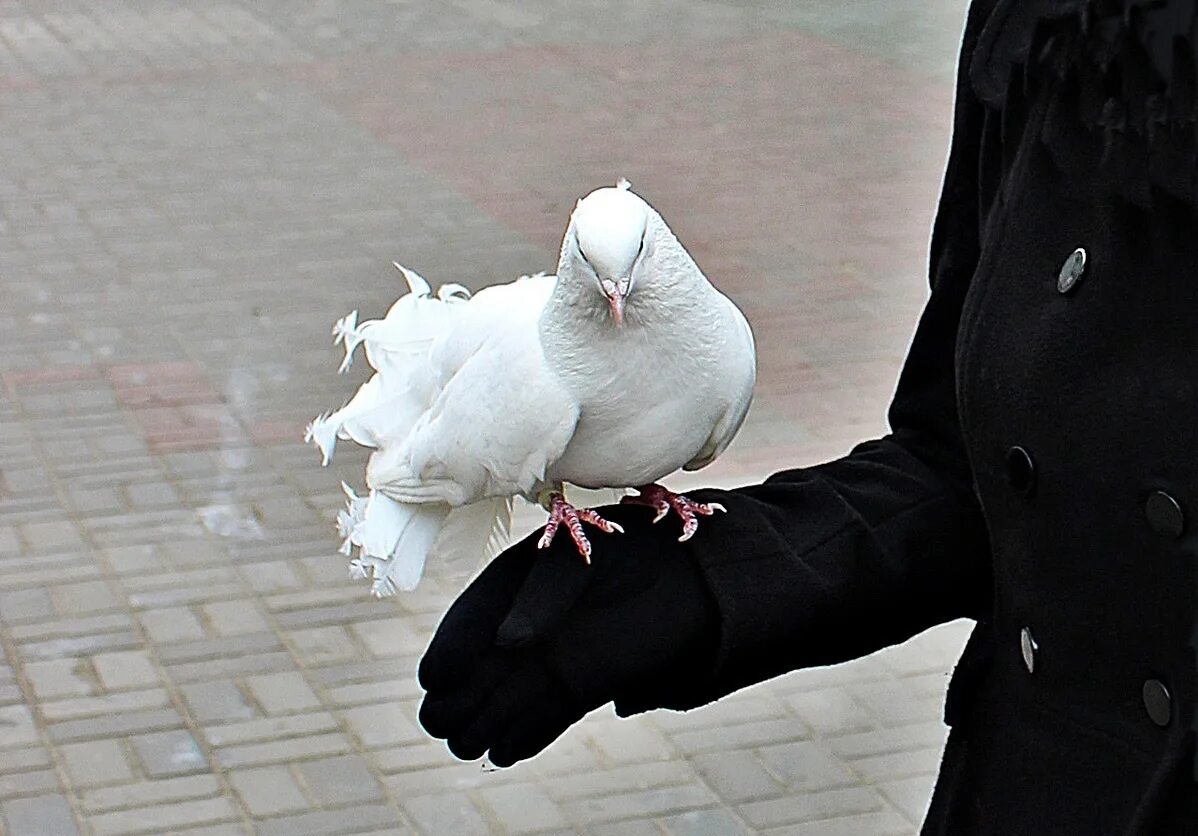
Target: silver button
[(1157, 702), (1028, 646), (1071, 270)]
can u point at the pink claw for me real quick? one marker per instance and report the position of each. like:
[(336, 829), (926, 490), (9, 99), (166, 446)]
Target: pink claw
[(663, 500), (561, 511)]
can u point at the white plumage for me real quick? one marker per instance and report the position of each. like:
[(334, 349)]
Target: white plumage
[(624, 367)]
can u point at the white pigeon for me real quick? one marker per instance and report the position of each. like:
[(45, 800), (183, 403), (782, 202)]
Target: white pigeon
[(624, 367)]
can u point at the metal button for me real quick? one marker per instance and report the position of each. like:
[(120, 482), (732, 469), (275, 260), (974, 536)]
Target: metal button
[(1164, 514), (1157, 702), (1071, 270), (1021, 471), (1028, 647)]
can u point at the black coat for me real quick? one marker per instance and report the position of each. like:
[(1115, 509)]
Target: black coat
[(1041, 475)]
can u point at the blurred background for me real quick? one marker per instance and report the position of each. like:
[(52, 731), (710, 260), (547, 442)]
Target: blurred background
[(192, 192)]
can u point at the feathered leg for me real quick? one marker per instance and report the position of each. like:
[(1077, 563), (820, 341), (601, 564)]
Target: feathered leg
[(663, 500), (562, 512)]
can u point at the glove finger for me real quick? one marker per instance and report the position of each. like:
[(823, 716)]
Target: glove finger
[(466, 633), (445, 713), (554, 584), (530, 685), (529, 734)]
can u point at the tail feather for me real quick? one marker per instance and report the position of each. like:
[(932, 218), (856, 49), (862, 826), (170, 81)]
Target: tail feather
[(393, 539), (323, 433), (473, 533)]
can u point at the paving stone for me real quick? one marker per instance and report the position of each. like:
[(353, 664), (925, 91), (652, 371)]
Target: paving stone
[(25, 605), (268, 791), (811, 806), (805, 765), (333, 781), (321, 645), (446, 813), (16, 727), (125, 670), (737, 776), (169, 753), (162, 818), (355, 819), (96, 762), (234, 618), (60, 677), (177, 624), (149, 793), (384, 724), (280, 751), (43, 815), (704, 823), (28, 782), (522, 808), (67, 709), (219, 700), (831, 711), (269, 728), (130, 722), (282, 693)]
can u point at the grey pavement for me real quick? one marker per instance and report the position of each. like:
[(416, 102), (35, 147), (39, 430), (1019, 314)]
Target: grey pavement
[(192, 192)]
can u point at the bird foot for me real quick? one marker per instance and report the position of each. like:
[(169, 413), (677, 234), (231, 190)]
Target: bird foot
[(562, 512), (663, 500)]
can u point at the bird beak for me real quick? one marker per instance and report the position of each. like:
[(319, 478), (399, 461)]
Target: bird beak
[(616, 293)]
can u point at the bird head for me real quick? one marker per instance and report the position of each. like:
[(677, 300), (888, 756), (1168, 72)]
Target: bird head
[(606, 242)]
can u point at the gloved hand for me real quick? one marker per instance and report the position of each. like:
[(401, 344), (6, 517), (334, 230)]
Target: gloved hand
[(540, 638)]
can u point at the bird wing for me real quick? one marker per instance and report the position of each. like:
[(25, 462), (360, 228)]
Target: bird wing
[(740, 370), (501, 415)]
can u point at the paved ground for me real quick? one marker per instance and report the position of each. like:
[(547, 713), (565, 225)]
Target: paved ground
[(191, 192)]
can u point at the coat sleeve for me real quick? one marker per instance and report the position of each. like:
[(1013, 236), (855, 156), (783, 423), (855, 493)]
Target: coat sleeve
[(827, 563)]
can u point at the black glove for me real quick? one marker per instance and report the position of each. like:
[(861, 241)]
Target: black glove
[(540, 638)]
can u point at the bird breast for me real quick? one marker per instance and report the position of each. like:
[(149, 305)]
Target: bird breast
[(648, 400)]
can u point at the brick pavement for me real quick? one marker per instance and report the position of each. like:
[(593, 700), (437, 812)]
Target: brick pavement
[(193, 191)]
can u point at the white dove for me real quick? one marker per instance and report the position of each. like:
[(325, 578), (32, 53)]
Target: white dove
[(624, 367)]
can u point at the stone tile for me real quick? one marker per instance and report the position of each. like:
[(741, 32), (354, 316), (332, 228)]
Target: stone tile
[(130, 722), (384, 724), (355, 819), (60, 678), (218, 700), (163, 818), (282, 693), (322, 645), (268, 791), (149, 793), (83, 598), (737, 776), (67, 709), (16, 728), (283, 751), (234, 618), (125, 670), (523, 808), (96, 762), (29, 782), (446, 813), (339, 780), (26, 605), (169, 753), (43, 815), (805, 766), (176, 624)]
